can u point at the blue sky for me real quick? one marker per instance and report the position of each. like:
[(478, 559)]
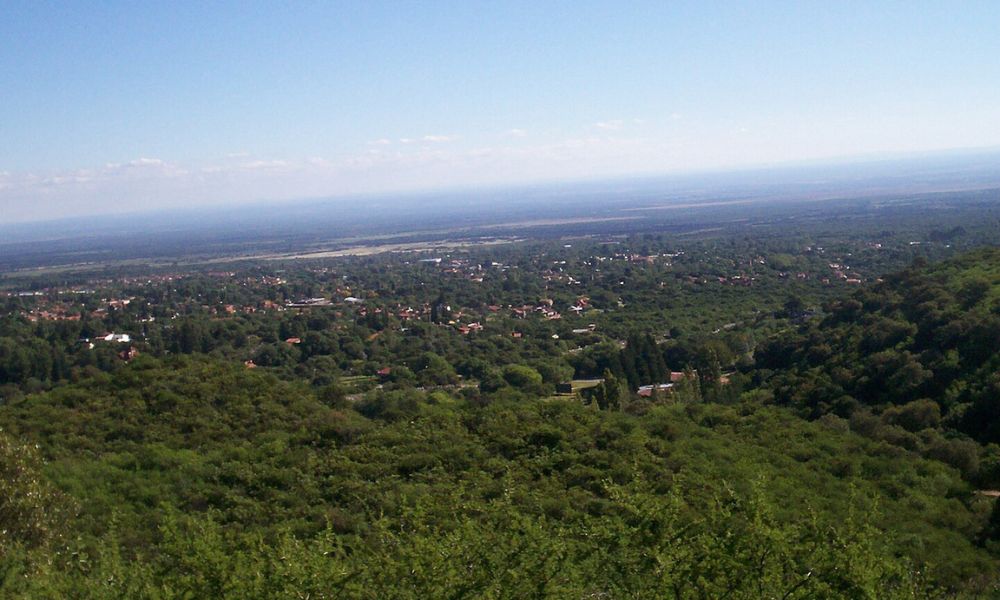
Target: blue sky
[(110, 106)]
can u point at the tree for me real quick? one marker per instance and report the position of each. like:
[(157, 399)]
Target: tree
[(31, 511), (525, 379), (332, 395), (974, 290), (688, 389), (914, 416), (611, 393), (709, 373), (432, 369), (991, 531)]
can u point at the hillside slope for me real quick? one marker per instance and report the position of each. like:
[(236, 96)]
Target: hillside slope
[(914, 360), (194, 476)]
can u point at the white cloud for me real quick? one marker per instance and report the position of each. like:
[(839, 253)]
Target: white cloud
[(138, 167), (380, 142), (265, 164), (430, 138), (612, 125), (515, 133), (145, 162)]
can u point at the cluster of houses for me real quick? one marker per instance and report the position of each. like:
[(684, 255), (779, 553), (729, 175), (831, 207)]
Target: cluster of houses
[(543, 308), (62, 311), (646, 391), (114, 338), (53, 313), (741, 279), (465, 268), (635, 258), (470, 328), (558, 276), (582, 303), (840, 272)]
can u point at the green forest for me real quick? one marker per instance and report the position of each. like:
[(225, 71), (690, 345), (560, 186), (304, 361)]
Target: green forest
[(799, 416)]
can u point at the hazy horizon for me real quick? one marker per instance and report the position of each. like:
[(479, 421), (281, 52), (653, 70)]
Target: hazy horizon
[(950, 168)]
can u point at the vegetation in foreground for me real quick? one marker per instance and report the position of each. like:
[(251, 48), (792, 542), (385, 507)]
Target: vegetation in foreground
[(215, 481)]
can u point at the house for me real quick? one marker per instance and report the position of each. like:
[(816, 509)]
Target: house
[(466, 329), (122, 338), (548, 312), (309, 303), (646, 391), (293, 340), (129, 354), (565, 387)]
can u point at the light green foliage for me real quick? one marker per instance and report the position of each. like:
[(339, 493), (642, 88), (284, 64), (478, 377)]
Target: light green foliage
[(651, 546), (214, 481), (524, 378)]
